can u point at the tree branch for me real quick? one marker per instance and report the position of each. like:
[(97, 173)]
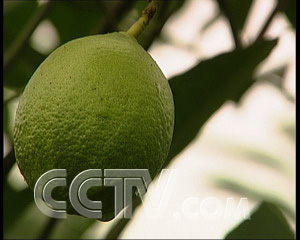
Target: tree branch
[(166, 9), (136, 29), (21, 40)]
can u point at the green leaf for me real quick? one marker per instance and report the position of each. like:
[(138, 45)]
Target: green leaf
[(74, 19), (266, 222), (252, 191), (17, 76), (15, 18), (14, 205), (9, 6), (28, 225), (289, 8), (16, 15), (236, 11), (72, 227), (115, 12), (200, 92)]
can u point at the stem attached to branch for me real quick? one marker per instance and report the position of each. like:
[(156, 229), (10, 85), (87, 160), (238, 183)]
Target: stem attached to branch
[(136, 29)]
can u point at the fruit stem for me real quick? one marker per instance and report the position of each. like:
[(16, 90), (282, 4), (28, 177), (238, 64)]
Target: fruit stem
[(136, 29)]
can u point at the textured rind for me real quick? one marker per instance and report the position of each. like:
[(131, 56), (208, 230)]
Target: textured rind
[(98, 102)]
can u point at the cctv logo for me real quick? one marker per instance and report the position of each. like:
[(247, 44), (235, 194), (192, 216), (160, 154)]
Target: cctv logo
[(123, 181)]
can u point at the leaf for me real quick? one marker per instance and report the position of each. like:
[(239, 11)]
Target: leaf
[(28, 225), (72, 227), (289, 8), (16, 15), (17, 76), (14, 205), (252, 191), (236, 11), (74, 19), (15, 18), (115, 11), (67, 17), (200, 92), (266, 222)]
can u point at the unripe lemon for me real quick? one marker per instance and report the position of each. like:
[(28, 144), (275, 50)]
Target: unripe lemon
[(97, 102)]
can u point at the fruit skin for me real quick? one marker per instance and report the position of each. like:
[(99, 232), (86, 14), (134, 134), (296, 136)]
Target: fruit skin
[(97, 102)]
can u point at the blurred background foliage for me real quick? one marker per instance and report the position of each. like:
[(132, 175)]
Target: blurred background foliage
[(32, 29)]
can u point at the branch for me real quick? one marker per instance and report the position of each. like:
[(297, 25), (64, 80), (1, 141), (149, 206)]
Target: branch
[(136, 29), (21, 40), (165, 11)]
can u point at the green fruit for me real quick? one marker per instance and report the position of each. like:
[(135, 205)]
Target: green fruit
[(98, 102)]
